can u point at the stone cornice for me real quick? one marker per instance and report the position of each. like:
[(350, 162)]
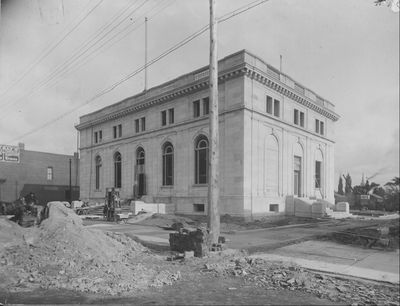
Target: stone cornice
[(202, 83), (285, 90), (170, 95)]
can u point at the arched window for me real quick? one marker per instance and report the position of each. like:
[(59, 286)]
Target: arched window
[(201, 160), (140, 156), (168, 164), (117, 170), (98, 171), (140, 176)]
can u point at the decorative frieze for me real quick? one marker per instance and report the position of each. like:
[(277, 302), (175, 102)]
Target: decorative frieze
[(271, 78), (281, 88)]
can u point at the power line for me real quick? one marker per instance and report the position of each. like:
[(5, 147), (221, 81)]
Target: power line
[(87, 58), (40, 83), (46, 53), (153, 61), (113, 86), (78, 61)]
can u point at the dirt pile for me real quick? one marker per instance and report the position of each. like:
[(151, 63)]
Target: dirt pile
[(62, 253)]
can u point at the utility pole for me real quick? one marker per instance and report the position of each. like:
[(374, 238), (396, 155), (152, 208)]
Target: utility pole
[(213, 184), (145, 53), (70, 185)]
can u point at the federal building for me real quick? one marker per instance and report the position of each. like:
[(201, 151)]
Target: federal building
[(276, 142)]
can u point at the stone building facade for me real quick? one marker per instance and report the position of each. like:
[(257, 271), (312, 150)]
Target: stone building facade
[(276, 141), (45, 174)]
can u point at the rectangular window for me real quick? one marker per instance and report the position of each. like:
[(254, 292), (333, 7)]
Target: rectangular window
[(317, 174), (277, 108), (196, 108), (206, 106), (115, 131), (137, 126), (296, 117), (164, 118), (120, 130), (269, 105), (143, 122), (96, 140), (274, 207), (171, 115), (198, 207), (100, 136), (319, 127), (49, 173)]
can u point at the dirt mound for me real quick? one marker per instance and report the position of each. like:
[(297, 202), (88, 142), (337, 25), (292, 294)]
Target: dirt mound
[(65, 254), (12, 234)]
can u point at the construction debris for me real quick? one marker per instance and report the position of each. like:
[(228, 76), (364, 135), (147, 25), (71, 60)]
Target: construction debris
[(190, 240), (62, 253), (279, 275)]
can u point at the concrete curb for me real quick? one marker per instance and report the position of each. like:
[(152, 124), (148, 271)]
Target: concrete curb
[(337, 269)]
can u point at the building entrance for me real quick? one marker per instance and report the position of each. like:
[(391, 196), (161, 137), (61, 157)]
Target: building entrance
[(297, 176), (140, 177)]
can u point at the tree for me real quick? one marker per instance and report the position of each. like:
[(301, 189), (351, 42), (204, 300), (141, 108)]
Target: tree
[(394, 182), (392, 4), (367, 186), (392, 194), (340, 186), (348, 189)]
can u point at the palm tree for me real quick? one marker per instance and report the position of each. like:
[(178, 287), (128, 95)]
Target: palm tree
[(393, 193), (394, 182)]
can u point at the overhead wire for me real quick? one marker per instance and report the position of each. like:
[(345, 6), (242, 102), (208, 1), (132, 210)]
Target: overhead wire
[(84, 60), (50, 48), (79, 61), (39, 84), (151, 62)]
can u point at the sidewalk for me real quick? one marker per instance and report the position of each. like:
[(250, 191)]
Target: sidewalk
[(292, 244), (341, 259)]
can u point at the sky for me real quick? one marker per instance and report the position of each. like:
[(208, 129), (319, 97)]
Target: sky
[(347, 51)]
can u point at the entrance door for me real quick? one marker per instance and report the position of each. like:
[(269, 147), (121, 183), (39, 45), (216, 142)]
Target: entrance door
[(141, 184), (140, 177), (297, 176)]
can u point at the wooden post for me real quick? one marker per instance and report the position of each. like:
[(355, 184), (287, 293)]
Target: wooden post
[(70, 181), (213, 183), (145, 53)]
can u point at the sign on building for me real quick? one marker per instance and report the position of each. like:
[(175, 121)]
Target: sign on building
[(9, 154)]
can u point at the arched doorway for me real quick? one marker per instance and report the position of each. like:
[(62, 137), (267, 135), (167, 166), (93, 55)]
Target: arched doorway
[(140, 177)]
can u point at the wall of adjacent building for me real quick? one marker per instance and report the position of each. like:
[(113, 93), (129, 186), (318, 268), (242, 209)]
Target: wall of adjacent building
[(32, 169)]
